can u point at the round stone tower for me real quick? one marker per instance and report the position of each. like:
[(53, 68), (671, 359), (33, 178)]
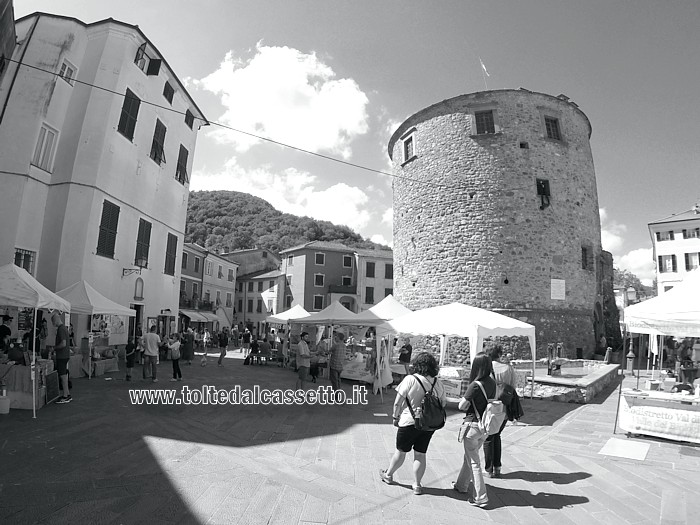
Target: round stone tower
[(496, 206)]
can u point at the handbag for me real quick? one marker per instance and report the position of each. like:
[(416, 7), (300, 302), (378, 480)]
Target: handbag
[(462, 431)]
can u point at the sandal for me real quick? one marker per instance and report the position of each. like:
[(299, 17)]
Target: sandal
[(417, 490), (389, 480)]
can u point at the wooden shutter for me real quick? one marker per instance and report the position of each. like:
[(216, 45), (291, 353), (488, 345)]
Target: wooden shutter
[(130, 111), (661, 262), (687, 261), (170, 254), (181, 169), (670, 235), (153, 66), (143, 240), (673, 263), (108, 229), (658, 236)]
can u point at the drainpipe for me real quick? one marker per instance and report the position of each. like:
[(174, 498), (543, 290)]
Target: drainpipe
[(14, 77)]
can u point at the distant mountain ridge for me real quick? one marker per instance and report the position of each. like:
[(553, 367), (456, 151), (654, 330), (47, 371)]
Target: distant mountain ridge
[(231, 220)]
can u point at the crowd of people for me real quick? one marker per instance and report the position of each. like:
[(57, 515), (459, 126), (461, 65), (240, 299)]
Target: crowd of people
[(489, 371)]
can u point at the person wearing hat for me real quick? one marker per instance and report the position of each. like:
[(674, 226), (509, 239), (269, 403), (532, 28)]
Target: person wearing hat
[(303, 360), (5, 329)]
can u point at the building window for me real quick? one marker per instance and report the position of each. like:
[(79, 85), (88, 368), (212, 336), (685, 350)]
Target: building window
[(168, 92), (240, 305), (692, 261), (290, 260), (130, 112), (25, 259), (150, 66), (207, 267), (240, 286), (388, 271), (409, 148), (143, 242), (250, 286), (664, 236), (484, 122), (220, 275), (587, 258), (157, 153), (196, 265), (181, 168), (231, 276), (264, 255), (189, 119), (388, 292), (45, 147), (184, 260), (320, 259), (207, 296), (369, 295), (183, 287), (67, 72), (260, 286), (667, 264), (347, 280), (272, 285), (289, 280), (250, 306), (691, 234), (551, 125), (170, 254), (318, 302), (542, 186), (229, 300), (347, 261), (218, 297), (319, 279), (269, 306), (369, 269), (287, 301), (195, 291), (259, 307), (108, 230)]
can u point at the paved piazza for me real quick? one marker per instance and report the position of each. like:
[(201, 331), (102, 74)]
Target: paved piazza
[(102, 460)]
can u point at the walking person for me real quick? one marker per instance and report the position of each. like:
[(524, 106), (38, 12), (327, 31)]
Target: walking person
[(130, 355), (246, 342), (337, 360), (188, 346), (151, 343), (474, 401), (504, 374), (412, 390), (62, 352), (303, 360), (223, 345), (175, 354)]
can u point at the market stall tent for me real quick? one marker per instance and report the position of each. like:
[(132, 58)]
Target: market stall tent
[(84, 299), (676, 312), (388, 308), (296, 312), (461, 320), (18, 288), (335, 313)]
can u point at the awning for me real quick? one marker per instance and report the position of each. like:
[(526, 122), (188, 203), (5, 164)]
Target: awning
[(194, 316), (209, 317)]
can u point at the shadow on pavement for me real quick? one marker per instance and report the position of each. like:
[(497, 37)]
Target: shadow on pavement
[(560, 478)]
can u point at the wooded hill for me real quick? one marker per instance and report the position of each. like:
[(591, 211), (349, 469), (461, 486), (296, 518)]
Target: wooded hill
[(220, 220)]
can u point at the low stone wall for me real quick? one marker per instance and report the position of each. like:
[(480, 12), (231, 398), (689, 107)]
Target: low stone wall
[(582, 390)]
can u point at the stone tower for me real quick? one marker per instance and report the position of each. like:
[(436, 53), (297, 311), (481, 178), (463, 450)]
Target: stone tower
[(496, 206)]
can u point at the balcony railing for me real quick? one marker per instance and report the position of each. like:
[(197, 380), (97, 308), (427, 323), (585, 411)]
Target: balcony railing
[(196, 304)]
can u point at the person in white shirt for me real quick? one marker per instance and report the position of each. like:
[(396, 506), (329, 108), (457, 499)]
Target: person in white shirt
[(151, 343), (175, 354)]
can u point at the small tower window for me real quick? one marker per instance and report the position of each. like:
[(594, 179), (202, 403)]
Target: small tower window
[(484, 122), (408, 148), (552, 127), (543, 193)]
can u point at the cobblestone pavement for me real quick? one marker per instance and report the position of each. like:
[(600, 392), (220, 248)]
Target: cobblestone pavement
[(101, 459)]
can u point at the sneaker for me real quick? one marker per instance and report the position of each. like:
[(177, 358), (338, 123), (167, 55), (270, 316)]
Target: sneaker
[(173, 380), (496, 473), (389, 480), (479, 503), (454, 487), (155, 380), (62, 400), (418, 490)]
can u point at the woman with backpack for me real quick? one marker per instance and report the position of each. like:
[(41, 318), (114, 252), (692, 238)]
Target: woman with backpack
[(504, 374), (409, 398), (474, 403)]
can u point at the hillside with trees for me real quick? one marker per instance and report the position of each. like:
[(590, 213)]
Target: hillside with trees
[(231, 220)]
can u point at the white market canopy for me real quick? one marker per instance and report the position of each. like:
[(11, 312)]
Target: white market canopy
[(296, 312), (461, 320), (84, 299), (676, 312), (19, 288), (335, 313), (388, 308)]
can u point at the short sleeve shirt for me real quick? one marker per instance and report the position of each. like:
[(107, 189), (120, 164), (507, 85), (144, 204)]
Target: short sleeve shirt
[(62, 336), (151, 342), (412, 391), (303, 354), (337, 356), (476, 397)]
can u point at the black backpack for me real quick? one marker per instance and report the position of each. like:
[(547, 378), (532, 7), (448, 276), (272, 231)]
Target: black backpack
[(430, 414)]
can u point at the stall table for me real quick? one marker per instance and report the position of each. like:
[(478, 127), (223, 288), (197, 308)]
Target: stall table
[(18, 380), (666, 415)]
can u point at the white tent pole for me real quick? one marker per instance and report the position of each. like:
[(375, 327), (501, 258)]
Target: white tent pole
[(33, 369), (443, 349)]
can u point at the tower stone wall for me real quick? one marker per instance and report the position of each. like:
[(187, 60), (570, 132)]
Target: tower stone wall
[(469, 225)]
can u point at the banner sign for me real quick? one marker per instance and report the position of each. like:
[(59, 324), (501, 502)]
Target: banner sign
[(668, 416)]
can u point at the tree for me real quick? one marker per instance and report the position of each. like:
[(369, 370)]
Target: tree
[(626, 279)]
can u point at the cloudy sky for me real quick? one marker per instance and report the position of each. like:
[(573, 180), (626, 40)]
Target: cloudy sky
[(336, 77)]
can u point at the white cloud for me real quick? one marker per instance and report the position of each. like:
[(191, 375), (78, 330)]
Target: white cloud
[(640, 262), (380, 239), (291, 191), (612, 233), (388, 217), (290, 97)]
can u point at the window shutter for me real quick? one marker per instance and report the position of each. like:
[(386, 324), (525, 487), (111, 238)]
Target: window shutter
[(670, 236), (673, 263), (153, 66), (687, 261), (658, 236), (685, 234), (661, 262), (108, 229)]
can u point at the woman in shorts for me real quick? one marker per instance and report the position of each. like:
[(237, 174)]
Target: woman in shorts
[(408, 437)]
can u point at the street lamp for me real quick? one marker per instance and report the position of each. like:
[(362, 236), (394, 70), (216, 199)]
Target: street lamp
[(631, 295)]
